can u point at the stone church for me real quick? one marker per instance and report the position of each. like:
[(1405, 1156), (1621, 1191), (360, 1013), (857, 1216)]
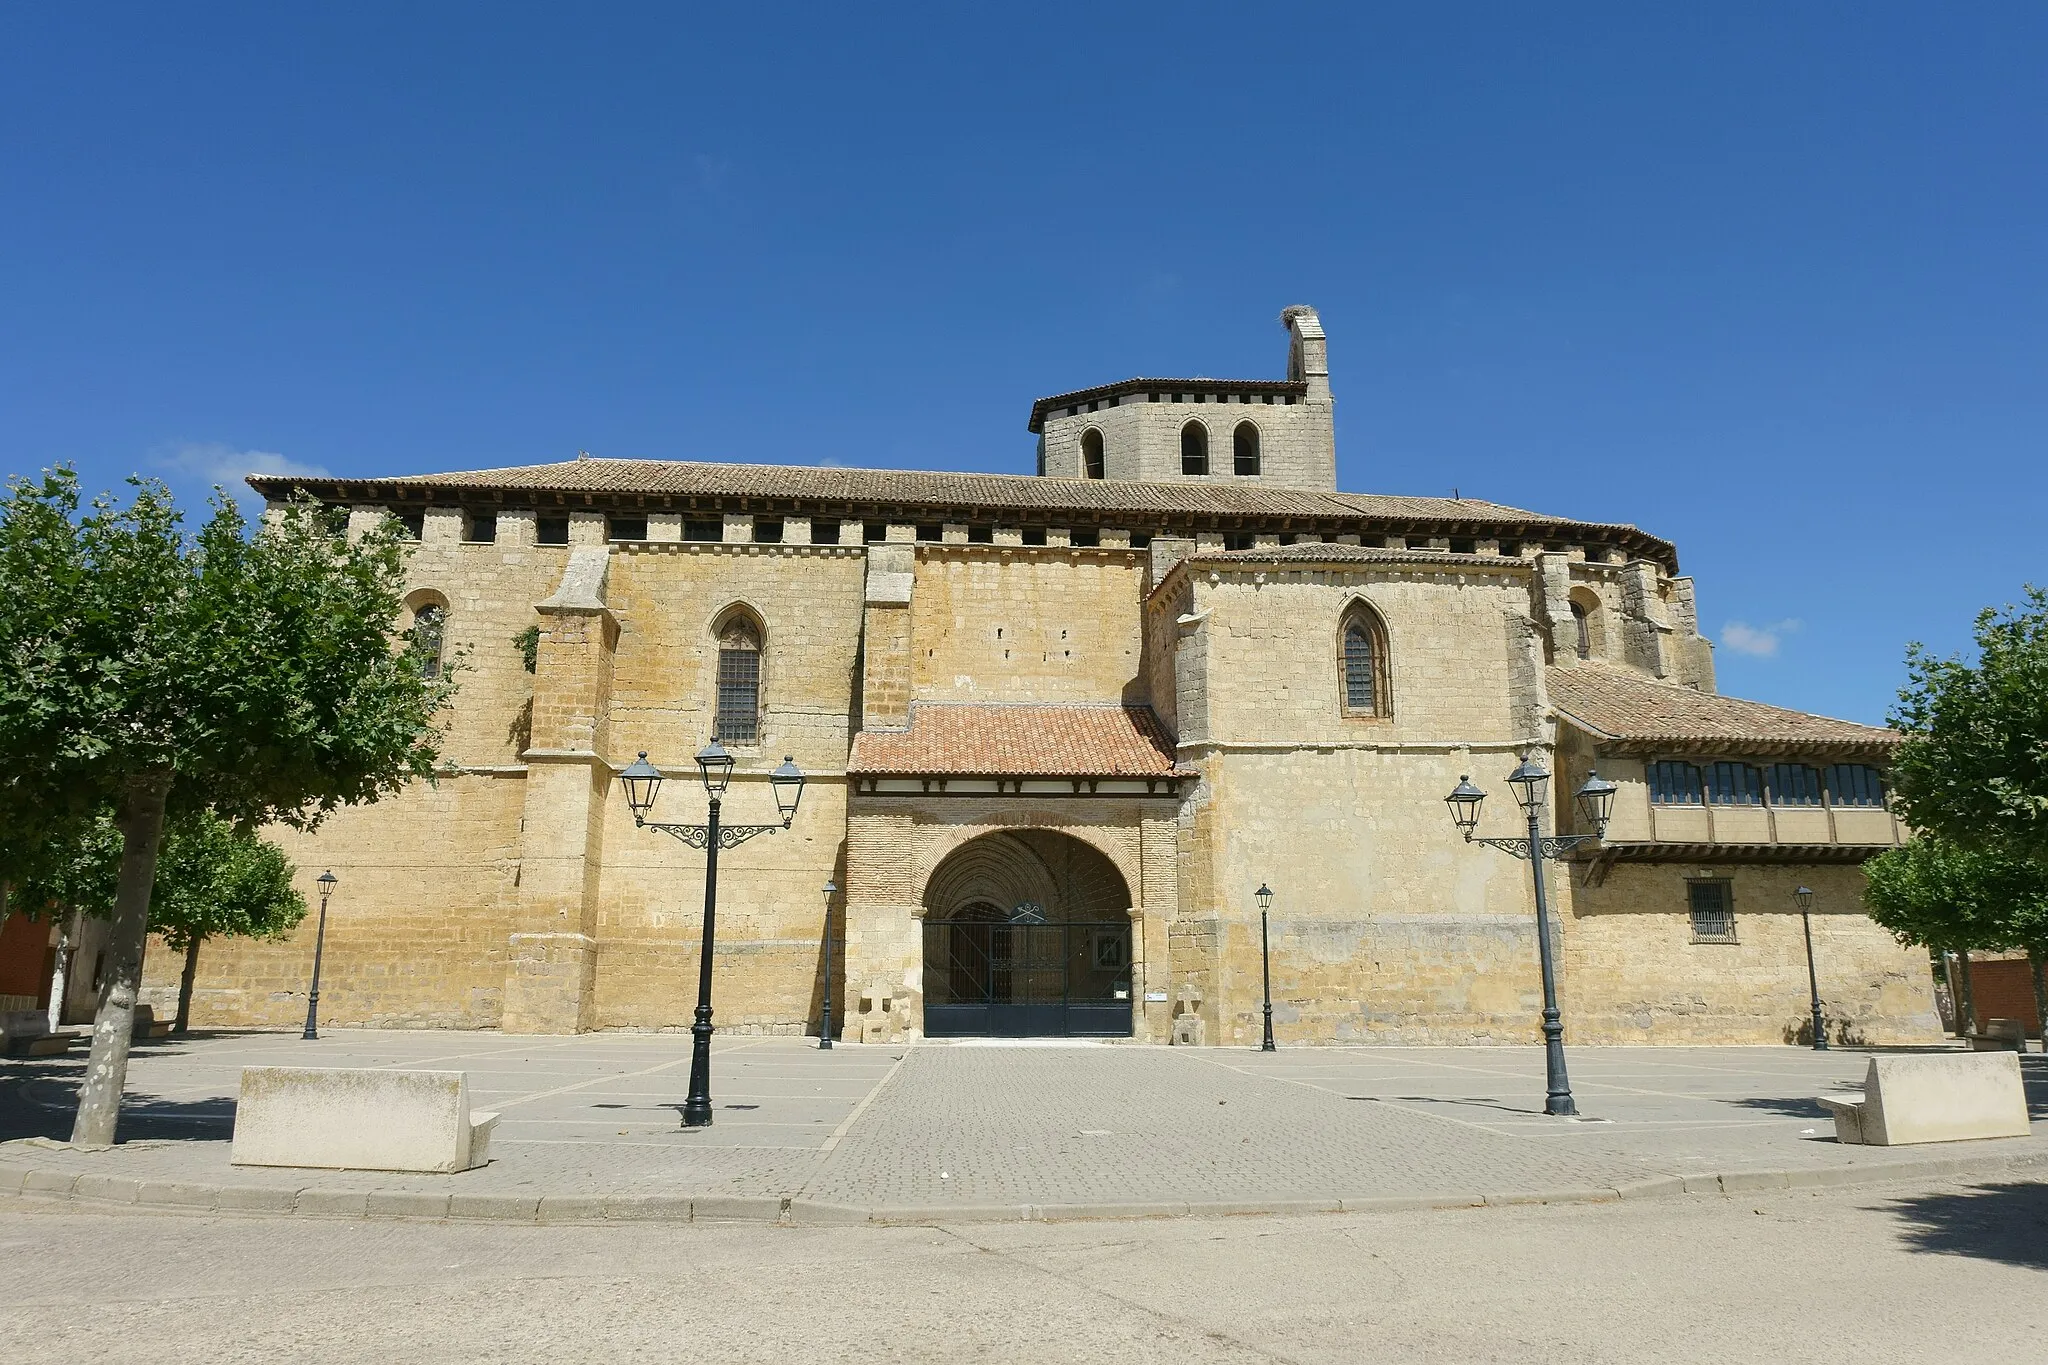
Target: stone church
[(1058, 728)]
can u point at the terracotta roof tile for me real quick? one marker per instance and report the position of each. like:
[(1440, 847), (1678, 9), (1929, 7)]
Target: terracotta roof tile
[(1018, 740), (1645, 714), (1347, 554), (965, 495)]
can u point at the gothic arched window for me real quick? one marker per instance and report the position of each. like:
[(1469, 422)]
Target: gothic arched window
[(1362, 663), (1580, 618), (429, 631), (738, 719), (1194, 449), (1091, 453), (1244, 448)]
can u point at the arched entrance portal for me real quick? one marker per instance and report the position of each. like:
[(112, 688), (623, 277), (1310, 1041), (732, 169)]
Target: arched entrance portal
[(1027, 933)]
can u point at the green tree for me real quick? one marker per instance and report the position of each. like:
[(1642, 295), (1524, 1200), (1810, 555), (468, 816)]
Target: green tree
[(212, 881), (1957, 898), (1974, 767), (142, 671)]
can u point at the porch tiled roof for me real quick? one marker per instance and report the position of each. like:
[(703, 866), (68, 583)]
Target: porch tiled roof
[(1642, 713), (1018, 740)]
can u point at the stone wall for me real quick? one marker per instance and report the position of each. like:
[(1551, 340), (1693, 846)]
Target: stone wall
[(1027, 624)]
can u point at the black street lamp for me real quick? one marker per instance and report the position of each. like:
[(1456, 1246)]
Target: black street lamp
[(825, 1014), (326, 881), (642, 782), (1596, 803), (1804, 895), (1265, 899)]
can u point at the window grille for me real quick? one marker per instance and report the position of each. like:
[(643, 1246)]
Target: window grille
[(1194, 449), (1363, 665), (1675, 784), (1583, 620), (429, 627), (1794, 784), (739, 686), (1855, 784), (1711, 907), (1734, 784)]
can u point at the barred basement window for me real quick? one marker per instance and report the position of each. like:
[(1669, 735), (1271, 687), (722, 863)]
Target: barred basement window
[(1855, 784), (739, 683), (1794, 784), (429, 627), (1734, 784), (1362, 662), (1711, 906), (1675, 784)]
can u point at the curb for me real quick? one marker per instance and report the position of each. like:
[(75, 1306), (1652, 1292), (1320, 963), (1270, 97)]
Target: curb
[(41, 1185)]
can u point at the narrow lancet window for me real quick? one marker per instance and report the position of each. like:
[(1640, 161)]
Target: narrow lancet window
[(429, 628), (1091, 452), (739, 684), (1362, 663), (1194, 449), (1244, 448)]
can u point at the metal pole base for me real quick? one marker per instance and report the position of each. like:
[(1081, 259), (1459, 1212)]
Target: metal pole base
[(1820, 1033)]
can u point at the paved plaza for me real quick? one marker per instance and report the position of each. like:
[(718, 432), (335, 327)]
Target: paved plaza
[(965, 1131)]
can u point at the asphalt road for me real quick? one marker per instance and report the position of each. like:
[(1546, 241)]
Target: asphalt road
[(1892, 1273)]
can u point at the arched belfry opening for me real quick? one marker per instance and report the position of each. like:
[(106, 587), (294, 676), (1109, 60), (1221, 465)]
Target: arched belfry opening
[(1027, 933)]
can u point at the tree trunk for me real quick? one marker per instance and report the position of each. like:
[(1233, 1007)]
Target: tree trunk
[(2040, 996), (1966, 999), (185, 986), (141, 822)]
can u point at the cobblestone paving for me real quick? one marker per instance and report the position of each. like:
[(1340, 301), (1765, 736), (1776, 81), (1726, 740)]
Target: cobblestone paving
[(938, 1126)]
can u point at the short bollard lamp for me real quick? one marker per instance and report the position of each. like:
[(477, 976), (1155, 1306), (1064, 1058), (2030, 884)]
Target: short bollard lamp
[(1264, 896), (1804, 898), (326, 881), (1596, 804), (642, 783)]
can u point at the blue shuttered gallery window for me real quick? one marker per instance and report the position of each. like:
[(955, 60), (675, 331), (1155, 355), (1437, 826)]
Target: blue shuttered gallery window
[(1674, 784), (1734, 784), (1855, 784)]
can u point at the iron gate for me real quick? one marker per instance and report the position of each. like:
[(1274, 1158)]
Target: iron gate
[(1027, 978)]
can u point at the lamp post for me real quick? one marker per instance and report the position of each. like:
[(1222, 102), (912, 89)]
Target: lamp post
[(1265, 899), (1596, 802), (642, 782), (1804, 895), (825, 1013), (326, 881)]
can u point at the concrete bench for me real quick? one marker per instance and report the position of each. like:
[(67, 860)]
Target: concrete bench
[(26, 1033), (2000, 1035), (1933, 1097), (358, 1120)]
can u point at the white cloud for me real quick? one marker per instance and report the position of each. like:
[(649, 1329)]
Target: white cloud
[(1759, 642), (218, 462)]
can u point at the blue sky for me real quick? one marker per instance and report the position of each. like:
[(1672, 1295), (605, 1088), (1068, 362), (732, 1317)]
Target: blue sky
[(1766, 280)]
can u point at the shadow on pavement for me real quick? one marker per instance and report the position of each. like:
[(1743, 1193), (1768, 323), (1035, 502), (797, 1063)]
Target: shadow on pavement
[(1991, 1222), (1791, 1106), (40, 1099), (1469, 1102)]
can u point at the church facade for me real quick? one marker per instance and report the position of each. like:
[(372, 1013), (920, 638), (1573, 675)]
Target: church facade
[(1058, 729)]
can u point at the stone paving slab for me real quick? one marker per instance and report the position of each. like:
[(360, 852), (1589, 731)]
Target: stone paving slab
[(957, 1133)]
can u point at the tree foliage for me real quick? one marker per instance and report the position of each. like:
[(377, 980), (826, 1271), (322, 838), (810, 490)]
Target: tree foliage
[(1955, 897), (1974, 767), (142, 671), (212, 880)]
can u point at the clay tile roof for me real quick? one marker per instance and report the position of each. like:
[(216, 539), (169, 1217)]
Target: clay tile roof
[(1039, 410), (1645, 714), (1347, 554), (1018, 740)]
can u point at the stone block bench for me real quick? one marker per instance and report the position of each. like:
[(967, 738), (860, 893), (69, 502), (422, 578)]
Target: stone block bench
[(26, 1033), (372, 1119), (1933, 1097), (2000, 1035)]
